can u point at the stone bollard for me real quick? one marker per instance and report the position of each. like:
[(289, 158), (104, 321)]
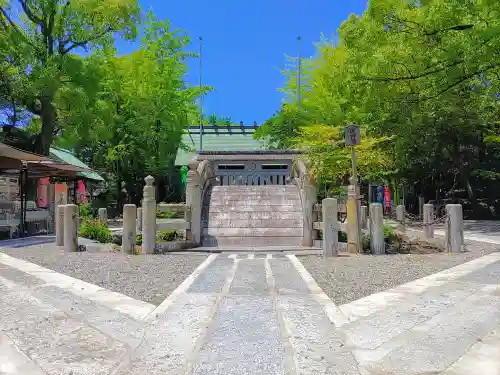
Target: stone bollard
[(421, 202), (377, 243), (139, 219), (70, 225), (428, 225), (149, 217), (103, 215), (129, 228), (400, 217), (454, 228), (60, 225), (353, 227), (364, 217), (329, 208)]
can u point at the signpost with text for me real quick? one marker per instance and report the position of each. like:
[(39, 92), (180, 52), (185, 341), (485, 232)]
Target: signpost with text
[(352, 138)]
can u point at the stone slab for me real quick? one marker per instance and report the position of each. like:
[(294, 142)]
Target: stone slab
[(253, 232), (457, 329), (168, 346), (286, 278), (243, 339), (318, 347), (386, 324), (213, 278), (252, 223), (19, 277), (250, 278), (13, 361), (487, 275), (250, 242)]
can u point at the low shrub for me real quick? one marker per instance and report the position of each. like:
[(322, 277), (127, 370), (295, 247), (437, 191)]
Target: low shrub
[(138, 239), (168, 215), (84, 211), (95, 230), (342, 236), (167, 235), (388, 232)]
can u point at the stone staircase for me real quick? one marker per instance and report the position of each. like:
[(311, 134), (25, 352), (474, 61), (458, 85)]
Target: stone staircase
[(252, 216)]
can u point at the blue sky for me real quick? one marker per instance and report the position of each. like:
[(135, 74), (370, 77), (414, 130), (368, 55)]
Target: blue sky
[(245, 43)]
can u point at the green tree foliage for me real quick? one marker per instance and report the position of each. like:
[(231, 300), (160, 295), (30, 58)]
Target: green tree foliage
[(132, 125), (38, 42), (422, 79)]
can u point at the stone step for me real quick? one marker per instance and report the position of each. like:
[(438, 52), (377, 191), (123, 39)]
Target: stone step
[(256, 223), (253, 202), (252, 232), (210, 241), (254, 194), (246, 189), (256, 208), (253, 215)]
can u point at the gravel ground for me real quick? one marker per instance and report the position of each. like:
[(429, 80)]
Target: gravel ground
[(347, 278), (149, 278)]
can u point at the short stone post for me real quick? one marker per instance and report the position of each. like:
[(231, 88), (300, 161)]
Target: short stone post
[(149, 217), (400, 217), (353, 227), (309, 200), (421, 202), (194, 200), (427, 219), (377, 243), (103, 215), (364, 217), (454, 228), (129, 228), (60, 225), (70, 225), (139, 219), (329, 208)]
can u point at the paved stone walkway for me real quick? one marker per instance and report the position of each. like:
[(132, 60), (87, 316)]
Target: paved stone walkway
[(250, 314)]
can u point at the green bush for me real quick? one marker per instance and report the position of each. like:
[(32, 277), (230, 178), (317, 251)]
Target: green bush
[(388, 232), (84, 211), (95, 230), (365, 243), (138, 239), (342, 236), (168, 215), (167, 235)]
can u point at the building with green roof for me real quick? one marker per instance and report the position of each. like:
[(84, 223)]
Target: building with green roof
[(217, 138)]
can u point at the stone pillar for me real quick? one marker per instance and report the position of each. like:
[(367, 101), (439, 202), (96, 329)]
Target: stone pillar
[(103, 215), (377, 243), (400, 217), (139, 219), (308, 202), (364, 217), (60, 225), (353, 227), (193, 199), (329, 208), (421, 202), (427, 219), (70, 225), (149, 217), (454, 228), (129, 228)]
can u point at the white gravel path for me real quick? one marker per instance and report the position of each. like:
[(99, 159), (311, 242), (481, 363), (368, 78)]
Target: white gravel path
[(349, 277), (150, 278)]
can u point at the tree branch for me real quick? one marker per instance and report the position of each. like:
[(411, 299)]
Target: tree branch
[(34, 18), (412, 77), (83, 43)]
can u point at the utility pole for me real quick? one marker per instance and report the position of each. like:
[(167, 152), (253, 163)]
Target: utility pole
[(201, 95), (299, 71)]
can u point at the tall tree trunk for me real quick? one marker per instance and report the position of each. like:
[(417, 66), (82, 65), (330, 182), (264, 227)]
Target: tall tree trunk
[(48, 116)]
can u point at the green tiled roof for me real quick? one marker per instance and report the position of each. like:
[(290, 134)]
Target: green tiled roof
[(221, 140), (67, 157)]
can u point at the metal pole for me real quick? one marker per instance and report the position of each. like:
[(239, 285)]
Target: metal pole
[(201, 95), (299, 72)]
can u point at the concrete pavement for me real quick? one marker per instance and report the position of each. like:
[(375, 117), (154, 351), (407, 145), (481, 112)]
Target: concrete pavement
[(250, 314)]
